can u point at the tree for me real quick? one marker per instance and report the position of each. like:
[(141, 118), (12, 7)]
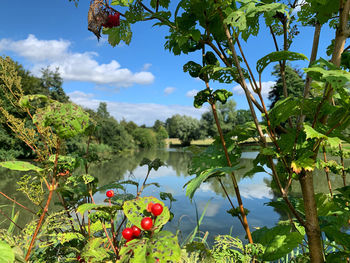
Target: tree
[(157, 124), (228, 117), (145, 138), (52, 82), (184, 128), (294, 82), (243, 116), (215, 28)]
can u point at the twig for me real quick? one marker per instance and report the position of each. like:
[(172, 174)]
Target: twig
[(9, 198)]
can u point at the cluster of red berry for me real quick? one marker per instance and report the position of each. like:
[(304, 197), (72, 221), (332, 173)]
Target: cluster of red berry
[(146, 223), (113, 20)]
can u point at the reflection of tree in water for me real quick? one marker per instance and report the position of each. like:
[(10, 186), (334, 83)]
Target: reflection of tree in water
[(179, 161), (115, 169)]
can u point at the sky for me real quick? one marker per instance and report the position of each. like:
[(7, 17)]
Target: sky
[(140, 82)]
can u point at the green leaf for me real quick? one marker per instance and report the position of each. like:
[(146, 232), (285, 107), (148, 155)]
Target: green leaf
[(26, 101), (165, 196), (282, 110), (20, 166), (221, 95), (68, 119), (237, 19), (192, 68), (278, 241), (111, 186), (278, 56), (155, 164), (320, 71), (94, 250), (69, 236), (6, 253), (163, 246), (135, 210), (122, 2), (201, 97), (117, 34), (311, 133), (106, 208), (195, 183)]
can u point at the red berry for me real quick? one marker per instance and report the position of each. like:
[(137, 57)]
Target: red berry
[(136, 231), (149, 207), (110, 193), (157, 209), (113, 20), (127, 233), (146, 223)]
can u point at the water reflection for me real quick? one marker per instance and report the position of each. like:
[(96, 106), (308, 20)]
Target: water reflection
[(255, 191)]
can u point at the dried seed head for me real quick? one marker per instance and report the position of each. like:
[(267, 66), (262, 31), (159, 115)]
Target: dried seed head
[(97, 16)]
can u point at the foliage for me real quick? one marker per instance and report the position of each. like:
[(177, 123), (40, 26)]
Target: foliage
[(183, 127), (294, 81), (145, 138)]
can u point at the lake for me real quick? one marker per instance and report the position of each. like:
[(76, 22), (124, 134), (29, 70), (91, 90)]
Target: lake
[(255, 191)]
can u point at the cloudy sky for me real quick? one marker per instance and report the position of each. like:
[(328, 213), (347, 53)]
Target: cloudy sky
[(140, 82)]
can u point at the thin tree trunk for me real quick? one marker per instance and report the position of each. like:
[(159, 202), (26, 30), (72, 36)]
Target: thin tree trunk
[(312, 226)]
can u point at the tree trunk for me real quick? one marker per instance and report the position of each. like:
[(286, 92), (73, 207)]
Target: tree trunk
[(312, 228)]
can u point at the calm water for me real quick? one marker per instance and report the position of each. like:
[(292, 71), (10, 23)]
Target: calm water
[(255, 192)]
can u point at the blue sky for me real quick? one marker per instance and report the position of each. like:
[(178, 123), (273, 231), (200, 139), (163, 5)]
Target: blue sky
[(140, 82)]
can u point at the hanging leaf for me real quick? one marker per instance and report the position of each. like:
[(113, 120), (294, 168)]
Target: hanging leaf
[(201, 97), (278, 56), (120, 33), (193, 185), (221, 95), (192, 68)]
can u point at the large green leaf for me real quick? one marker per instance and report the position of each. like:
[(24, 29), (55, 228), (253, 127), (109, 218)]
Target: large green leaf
[(278, 56), (6, 253), (20, 166), (283, 109), (68, 119), (193, 185), (278, 241), (135, 210), (163, 246)]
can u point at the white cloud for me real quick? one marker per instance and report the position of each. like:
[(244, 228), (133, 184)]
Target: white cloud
[(266, 87), (192, 93), (140, 113), (258, 191), (146, 66), (169, 90), (72, 65)]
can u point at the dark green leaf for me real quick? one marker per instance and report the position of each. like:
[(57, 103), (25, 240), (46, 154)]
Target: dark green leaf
[(278, 56)]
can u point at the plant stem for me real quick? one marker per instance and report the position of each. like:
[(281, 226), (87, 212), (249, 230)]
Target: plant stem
[(342, 163), (9, 198), (233, 177), (105, 229), (326, 170), (8, 218), (46, 208)]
